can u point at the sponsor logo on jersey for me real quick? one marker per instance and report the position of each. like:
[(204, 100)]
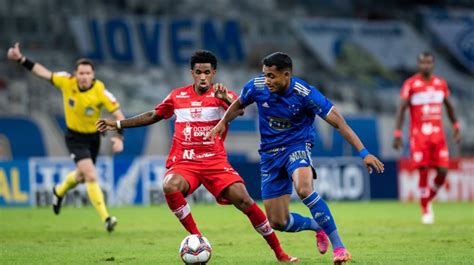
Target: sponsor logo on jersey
[(205, 155), (265, 105), (201, 131), (280, 124), (298, 155), (187, 132), (183, 94), (196, 103), (188, 154)]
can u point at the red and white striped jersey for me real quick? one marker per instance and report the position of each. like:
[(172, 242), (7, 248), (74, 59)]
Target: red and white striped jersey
[(195, 116), (425, 99)]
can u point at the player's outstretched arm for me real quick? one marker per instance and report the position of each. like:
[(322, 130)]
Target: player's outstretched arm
[(117, 140), (234, 110), (337, 121), (399, 117), (140, 120), (39, 70), (454, 120)]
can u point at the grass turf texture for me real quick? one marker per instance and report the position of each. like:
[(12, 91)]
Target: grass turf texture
[(374, 232)]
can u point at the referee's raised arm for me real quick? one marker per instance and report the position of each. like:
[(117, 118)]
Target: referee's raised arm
[(36, 68)]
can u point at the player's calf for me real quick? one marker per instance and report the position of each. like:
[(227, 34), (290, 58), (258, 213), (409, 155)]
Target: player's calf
[(57, 201), (181, 209), (278, 224)]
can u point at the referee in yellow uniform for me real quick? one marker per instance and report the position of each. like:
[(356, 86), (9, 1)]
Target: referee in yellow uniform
[(83, 98)]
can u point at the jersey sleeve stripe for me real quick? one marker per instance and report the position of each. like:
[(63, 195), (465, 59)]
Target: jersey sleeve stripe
[(301, 89), (329, 111)]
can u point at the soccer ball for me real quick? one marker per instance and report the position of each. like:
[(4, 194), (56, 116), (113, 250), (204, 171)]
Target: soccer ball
[(195, 249)]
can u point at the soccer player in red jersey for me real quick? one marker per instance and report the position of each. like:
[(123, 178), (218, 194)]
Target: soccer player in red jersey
[(425, 93), (193, 161)]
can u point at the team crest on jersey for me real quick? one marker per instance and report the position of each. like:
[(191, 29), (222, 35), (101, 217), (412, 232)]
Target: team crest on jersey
[(418, 156), (294, 109), (196, 113), (89, 111), (71, 102), (417, 83)]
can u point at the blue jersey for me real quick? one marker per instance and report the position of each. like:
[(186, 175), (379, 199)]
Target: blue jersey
[(286, 119)]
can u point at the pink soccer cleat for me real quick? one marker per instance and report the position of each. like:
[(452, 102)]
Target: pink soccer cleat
[(341, 255), (322, 241)]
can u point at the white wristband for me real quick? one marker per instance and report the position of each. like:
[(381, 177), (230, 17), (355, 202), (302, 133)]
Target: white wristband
[(118, 125)]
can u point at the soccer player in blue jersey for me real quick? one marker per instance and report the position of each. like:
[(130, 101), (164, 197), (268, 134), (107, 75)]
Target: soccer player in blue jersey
[(287, 107)]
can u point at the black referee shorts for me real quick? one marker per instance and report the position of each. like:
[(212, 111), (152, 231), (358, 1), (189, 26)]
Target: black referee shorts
[(82, 145)]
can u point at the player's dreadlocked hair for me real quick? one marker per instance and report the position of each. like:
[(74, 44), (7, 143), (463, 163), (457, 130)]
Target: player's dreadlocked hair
[(279, 59), (203, 57)]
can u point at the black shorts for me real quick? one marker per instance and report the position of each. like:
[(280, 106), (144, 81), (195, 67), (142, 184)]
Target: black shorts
[(83, 145)]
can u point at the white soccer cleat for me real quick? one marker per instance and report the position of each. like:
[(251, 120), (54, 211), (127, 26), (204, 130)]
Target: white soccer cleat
[(428, 217)]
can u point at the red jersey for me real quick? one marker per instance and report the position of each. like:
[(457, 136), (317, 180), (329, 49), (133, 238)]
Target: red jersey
[(425, 99), (195, 116)]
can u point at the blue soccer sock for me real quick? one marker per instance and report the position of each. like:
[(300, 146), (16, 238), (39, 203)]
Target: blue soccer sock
[(297, 222), (321, 213)]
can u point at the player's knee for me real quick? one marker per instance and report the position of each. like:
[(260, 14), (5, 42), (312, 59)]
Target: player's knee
[(244, 202), (304, 191), (278, 224), (91, 177), (88, 176), (442, 171), (172, 183)]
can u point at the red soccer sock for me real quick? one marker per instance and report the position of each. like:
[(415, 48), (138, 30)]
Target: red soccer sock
[(261, 224), (424, 192), (178, 205), (438, 183)]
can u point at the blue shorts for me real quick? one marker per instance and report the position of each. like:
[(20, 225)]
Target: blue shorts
[(277, 166)]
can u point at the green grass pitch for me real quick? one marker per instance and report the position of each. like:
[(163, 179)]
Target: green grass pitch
[(374, 232)]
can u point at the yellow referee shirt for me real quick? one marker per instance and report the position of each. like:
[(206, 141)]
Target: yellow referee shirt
[(82, 108)]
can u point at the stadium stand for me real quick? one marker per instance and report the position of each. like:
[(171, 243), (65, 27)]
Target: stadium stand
[(355, 83)]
